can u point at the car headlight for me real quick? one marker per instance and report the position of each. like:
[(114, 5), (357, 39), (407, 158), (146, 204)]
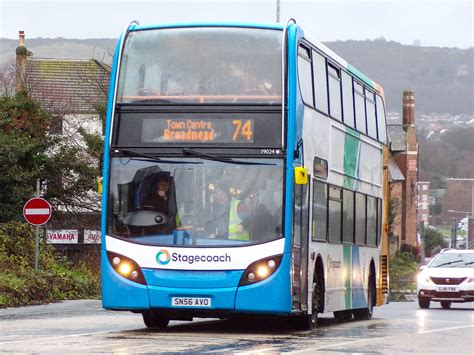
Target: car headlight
[(126, 267), (260, 270), (471, 279), (422, 278)]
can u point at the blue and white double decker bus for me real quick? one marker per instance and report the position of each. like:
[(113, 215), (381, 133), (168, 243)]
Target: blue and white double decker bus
[(243, 175)]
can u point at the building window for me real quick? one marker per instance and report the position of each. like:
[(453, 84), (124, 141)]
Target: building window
[(320, 210)]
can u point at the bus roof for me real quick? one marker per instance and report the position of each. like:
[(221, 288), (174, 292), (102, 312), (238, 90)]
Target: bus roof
[(275, 26)]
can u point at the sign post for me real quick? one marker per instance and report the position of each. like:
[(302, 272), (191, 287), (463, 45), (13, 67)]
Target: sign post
[(37, 211)]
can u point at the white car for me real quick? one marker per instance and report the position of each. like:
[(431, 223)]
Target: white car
[(449, 277)]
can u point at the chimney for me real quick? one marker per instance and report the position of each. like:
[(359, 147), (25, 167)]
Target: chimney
[(21, 54), (408, 108), (21, 39)]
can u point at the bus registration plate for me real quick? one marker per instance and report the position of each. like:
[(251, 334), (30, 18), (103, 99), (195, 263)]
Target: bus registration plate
[(190, 302)]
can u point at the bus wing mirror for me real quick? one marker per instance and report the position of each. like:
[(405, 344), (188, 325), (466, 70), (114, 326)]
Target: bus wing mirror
[(301, 175)]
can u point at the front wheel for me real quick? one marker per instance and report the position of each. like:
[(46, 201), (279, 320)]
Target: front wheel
[(310, 321), (153, 320), (423, 302)]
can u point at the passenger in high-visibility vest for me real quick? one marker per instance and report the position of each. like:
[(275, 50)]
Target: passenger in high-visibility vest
[(236, 230), (224, 218)]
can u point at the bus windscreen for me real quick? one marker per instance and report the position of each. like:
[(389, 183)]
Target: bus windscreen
[(201, 65)]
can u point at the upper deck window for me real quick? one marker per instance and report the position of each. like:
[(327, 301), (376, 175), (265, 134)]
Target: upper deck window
[(201, 65)]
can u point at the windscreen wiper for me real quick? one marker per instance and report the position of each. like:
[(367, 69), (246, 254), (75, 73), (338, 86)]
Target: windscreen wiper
[(148, 157), (449, 263), (199, 154), (133, 153)]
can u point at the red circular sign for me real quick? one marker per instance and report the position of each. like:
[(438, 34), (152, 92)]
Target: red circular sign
[(37, 211)]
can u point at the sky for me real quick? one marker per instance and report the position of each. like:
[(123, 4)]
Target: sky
[(439, 23)]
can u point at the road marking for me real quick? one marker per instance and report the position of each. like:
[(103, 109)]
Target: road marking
[(340, 344), (444, 329), (61, 336)]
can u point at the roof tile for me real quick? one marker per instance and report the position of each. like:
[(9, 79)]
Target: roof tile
[(68, 85)]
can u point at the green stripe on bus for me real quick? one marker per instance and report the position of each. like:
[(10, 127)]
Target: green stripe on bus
[(351, 158), (361, 76), (347, 276)]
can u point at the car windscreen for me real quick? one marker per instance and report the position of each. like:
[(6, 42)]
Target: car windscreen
[(453, 260)]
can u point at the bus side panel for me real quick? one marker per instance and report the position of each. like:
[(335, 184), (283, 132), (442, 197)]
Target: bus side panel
[(272, 295), (120, 293)]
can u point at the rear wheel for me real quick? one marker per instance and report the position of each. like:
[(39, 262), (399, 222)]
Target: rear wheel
[(366, 313), (423, 302), (446, 304), (153, 320)]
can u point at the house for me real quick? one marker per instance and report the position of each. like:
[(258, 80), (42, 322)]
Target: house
[(74, 92), (423, 202), (396, 183), (404, 150)]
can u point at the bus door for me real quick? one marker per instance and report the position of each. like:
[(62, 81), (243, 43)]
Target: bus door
[(300, 247)]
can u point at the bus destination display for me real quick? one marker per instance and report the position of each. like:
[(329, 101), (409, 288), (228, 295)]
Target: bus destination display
[(198, 130)]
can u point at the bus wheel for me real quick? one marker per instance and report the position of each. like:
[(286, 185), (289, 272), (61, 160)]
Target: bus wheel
[(153, 320), (310, 321), (366, 313)]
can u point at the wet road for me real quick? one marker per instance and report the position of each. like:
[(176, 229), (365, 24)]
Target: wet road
[(84, 327)]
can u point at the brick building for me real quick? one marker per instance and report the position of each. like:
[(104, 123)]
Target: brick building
[(404, 150), (396, 182), (424, 201)]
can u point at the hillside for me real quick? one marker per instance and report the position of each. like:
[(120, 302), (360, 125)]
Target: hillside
[(442, 78), (448, 155)]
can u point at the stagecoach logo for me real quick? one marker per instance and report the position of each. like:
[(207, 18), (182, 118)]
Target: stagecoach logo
[(163, 257), (333, 264)]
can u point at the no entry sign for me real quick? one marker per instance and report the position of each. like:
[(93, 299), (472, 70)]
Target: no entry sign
[(37, 211)]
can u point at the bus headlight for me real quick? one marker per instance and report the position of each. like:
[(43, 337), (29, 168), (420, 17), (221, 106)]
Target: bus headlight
[(126, 267), (260, 270)]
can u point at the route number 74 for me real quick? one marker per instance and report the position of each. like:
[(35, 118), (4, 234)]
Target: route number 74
[(242, 130)]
